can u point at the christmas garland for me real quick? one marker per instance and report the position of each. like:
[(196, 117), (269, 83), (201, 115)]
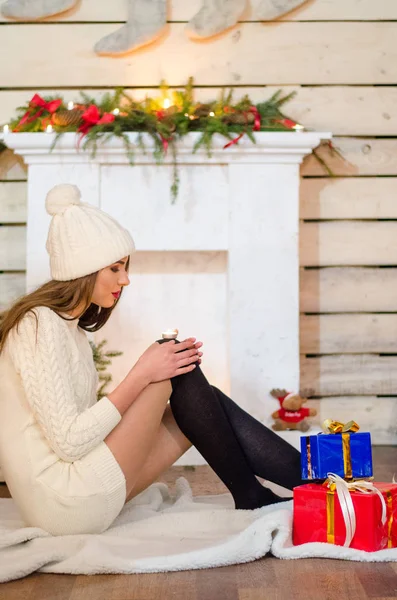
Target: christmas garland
[(166, 118)]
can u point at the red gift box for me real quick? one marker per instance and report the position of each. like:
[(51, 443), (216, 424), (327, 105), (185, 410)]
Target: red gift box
[(318, 516)]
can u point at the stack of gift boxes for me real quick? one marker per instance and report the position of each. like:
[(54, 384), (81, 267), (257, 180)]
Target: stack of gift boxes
[(342, 505)]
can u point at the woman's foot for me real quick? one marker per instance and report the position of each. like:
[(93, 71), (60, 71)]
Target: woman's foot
[(263, 497)]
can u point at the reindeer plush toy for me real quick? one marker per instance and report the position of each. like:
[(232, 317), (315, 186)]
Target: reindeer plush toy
[(291, 415)]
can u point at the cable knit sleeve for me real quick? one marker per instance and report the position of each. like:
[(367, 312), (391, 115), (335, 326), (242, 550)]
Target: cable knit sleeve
[(42, 355)]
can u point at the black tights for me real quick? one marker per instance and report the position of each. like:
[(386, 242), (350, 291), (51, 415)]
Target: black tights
[(235, 444)]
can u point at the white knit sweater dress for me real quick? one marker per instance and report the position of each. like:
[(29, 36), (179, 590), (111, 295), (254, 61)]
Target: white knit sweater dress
[(59, 471)]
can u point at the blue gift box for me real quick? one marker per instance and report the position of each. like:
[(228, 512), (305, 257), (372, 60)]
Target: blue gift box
[(349, 455)]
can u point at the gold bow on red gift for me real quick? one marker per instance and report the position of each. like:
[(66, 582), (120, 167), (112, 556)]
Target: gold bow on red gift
[(343, 489), (330, 426)]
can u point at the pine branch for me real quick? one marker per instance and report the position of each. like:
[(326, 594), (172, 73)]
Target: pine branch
[(102, 360)]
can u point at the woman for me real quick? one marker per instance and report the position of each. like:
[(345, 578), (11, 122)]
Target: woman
[(71, 462)]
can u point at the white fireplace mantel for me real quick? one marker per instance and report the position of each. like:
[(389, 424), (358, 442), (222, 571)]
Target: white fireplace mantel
[(221, 263), (274, 147)]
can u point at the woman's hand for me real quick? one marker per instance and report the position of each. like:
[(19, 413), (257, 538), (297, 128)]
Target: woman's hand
[(163, 361), (196, 345)]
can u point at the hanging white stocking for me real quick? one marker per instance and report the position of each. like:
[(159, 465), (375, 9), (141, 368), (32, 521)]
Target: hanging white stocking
[(214, 17), (32, 10), (266, 10), (146, 22)]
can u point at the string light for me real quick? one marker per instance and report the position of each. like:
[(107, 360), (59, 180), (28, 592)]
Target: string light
[(116, 111), (6, 129), (71, 105), (49, 129), (212, 114), (298, 127), (166, 103)]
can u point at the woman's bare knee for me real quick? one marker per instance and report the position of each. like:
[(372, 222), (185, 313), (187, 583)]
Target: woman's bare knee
[(132, 439)]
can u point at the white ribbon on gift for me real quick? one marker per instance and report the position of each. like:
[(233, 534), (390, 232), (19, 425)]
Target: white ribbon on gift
[(346, 502)]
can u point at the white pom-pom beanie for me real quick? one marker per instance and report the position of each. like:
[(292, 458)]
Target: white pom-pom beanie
[(82, 239)]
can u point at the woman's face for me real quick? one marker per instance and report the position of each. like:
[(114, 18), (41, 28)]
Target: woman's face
[(109, 282)]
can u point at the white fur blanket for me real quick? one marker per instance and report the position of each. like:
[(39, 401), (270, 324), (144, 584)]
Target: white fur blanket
[(156, 533)]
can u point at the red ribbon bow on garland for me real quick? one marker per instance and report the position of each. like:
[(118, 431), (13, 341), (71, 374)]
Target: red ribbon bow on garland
[(37, 102), (257, 125), (92, 117)]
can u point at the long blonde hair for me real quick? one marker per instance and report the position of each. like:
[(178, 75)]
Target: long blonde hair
[(61, 297)]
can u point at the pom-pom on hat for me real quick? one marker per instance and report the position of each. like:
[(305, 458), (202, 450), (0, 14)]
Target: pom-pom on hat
[(82, 239)]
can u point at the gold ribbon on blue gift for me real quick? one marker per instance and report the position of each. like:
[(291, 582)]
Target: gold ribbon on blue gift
[(330, 426), (343, 489)]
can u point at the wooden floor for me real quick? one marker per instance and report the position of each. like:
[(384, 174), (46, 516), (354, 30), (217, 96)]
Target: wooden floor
[(265, 579)]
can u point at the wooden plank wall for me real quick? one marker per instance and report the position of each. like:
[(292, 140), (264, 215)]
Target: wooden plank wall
[(341, 57)]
